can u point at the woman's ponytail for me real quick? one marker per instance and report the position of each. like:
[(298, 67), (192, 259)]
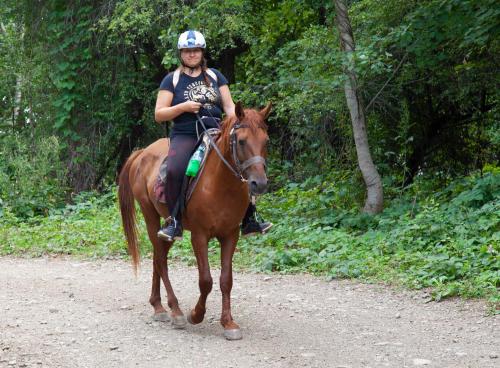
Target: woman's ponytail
[(204, 71)]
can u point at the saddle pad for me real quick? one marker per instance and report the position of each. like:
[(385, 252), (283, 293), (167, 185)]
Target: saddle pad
[(159, 187), (161, 179)]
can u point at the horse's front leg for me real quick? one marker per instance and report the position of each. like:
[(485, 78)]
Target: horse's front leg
[(228, 245), (200, 248)]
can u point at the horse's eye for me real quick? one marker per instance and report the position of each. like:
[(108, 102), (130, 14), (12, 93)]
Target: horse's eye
[(242, 142)]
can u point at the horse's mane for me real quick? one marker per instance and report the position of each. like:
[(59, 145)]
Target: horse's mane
[(252, 119)]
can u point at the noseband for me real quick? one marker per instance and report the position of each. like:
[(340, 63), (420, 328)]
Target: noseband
[(242, 166)]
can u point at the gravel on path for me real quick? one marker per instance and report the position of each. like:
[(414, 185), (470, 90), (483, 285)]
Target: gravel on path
[(65, 312)]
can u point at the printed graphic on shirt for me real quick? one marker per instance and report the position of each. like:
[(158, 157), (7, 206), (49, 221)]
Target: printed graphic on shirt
[(199, 92)]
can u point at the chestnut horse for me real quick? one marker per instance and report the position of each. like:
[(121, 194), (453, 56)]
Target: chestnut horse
[(215, 210)]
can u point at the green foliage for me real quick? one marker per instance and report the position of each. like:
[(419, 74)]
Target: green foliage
[(31, 176), (78, 84), (71, 55), (9, 50), (447, 239), (446, 100), (89, 228), (24, 89), (89, 75), (453, 246)]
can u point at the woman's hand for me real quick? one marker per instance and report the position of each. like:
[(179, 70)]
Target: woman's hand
[(164, 111), (191, 106)]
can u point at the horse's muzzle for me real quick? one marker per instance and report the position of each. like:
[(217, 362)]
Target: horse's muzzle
[(257, 185)]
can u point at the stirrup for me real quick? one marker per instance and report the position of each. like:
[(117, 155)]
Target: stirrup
[(171, 232)]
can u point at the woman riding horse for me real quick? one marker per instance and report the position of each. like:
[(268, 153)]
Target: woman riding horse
[(215, 210), (180, 99)]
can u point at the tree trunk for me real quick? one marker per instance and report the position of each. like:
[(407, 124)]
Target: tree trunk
[(227, 60), (375, 196), (17, 101)]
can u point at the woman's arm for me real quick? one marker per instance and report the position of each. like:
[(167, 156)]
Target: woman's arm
[(227, 100), (164, 111)]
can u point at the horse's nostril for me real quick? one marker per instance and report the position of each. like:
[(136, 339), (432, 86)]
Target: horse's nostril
[(258, 186)]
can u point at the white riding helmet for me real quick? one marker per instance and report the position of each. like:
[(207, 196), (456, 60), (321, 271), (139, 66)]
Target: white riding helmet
[(191, 40)]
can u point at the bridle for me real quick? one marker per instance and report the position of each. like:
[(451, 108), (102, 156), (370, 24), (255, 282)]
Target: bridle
[(241, 167)]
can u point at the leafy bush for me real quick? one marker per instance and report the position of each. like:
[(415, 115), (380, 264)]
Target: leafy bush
[(447, 245), (448, 240), (31, 176)]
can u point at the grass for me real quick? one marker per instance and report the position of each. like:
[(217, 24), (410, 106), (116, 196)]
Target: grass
[(446, 240)]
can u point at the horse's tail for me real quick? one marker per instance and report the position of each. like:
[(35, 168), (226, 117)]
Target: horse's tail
[(127, 209)]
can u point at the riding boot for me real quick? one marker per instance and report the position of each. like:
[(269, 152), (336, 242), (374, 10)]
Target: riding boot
[(250, 224)]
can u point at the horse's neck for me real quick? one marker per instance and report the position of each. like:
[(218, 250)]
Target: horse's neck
[(219, 178)]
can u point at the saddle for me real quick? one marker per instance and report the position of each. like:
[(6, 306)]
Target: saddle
[(189, 183)]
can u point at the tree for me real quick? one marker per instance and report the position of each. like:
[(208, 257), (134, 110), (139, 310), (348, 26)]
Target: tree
[(375, 197)]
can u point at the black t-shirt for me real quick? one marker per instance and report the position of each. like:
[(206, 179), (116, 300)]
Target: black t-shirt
[(194, 89)]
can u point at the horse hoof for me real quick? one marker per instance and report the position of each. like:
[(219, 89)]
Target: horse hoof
[(233, 334), (179, 322), (161, 317), (190, 320)]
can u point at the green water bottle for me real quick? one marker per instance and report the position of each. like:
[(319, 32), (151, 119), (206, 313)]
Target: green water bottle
[(195, 161)]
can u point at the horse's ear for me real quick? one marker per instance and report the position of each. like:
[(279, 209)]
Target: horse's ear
[(266, 111), (238, 110)]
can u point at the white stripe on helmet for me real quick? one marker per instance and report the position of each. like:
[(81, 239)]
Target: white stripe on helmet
[(191, 40)]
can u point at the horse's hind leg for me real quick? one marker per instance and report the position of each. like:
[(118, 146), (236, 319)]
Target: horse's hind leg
[(200, 247), (228, 245), (155, 298), (160, 270)]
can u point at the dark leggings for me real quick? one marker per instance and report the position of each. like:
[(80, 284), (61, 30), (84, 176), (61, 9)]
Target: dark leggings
[(181, 147)]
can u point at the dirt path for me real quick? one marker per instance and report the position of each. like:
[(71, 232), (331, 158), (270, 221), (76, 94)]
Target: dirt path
[(72, 313)]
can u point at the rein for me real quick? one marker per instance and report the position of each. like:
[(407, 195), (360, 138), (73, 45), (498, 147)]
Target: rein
[(240, 167)]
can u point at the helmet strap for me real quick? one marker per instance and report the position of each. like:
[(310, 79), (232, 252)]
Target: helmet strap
[(190, 70)]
